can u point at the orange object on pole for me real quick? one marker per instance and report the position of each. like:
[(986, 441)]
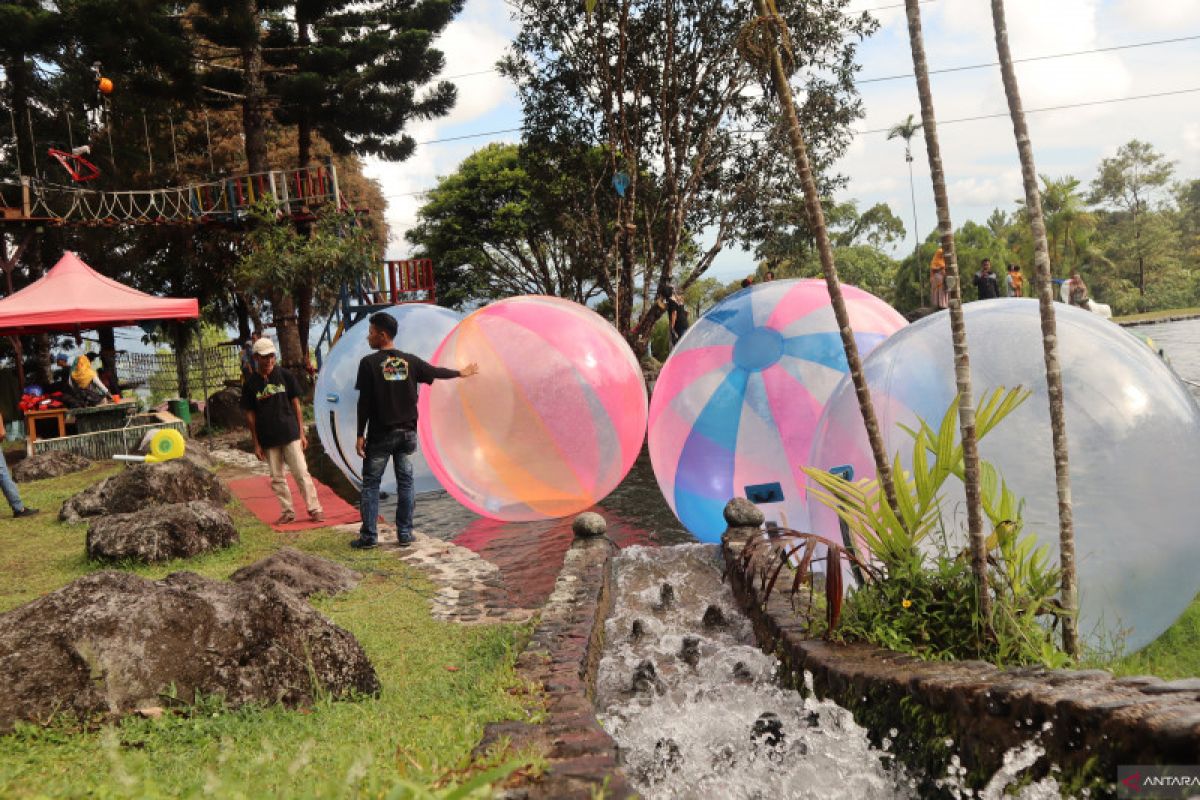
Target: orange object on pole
[(105, 85)]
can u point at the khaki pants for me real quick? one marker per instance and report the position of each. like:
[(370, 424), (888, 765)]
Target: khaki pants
[(293, 456)]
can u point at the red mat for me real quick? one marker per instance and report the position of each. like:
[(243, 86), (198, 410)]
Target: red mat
[(256, 495)]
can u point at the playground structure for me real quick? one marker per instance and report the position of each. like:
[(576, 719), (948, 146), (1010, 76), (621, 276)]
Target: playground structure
[(404, 281), (297, 193)]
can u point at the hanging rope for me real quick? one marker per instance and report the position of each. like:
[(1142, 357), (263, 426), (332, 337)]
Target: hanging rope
[(174, 151), (16, 140), (106, 118), (32, 139), (212, 170), (757, 36), (146, 131), (70, 134)]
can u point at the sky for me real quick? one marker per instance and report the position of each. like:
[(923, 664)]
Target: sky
[(979, 157)]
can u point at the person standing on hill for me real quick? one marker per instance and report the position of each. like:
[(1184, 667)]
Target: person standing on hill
[(677, 313), (986, 281), (938, 294), (1015, 282), (271, 400), (387, 424)]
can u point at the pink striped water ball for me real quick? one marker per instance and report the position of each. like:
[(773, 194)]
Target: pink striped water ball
[(553, 421), (736, 404)]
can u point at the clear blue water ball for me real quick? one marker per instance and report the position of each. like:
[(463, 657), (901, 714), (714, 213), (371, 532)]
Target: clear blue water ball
[(422, 328)]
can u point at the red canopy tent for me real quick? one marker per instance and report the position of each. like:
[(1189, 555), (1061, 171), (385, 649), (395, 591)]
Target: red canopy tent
[(74, 297)]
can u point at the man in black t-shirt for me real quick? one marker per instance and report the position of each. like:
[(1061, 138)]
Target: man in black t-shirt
[(271, 400), (387, 424), (986, 281)]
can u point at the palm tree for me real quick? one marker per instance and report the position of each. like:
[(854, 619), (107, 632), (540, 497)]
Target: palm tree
[(958, 330), (907, 130), (762, 48), (1041, 263)]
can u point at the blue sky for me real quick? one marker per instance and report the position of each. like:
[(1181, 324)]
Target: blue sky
[(980, 158)]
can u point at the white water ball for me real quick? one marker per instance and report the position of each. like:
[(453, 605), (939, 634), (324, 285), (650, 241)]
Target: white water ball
[(1133, 433), (422, 327)]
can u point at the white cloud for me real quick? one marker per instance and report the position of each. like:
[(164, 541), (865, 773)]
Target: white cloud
[(1160, 15)]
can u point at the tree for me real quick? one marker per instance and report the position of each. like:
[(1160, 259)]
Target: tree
[(1041, 261), (906, 130), (760, 43), (349, 71), (789, 244), (494, 230), (658, 87), (1132, 182), (958, 330)]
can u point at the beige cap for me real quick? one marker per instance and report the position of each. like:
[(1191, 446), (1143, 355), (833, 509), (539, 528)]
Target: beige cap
[(264, 347)]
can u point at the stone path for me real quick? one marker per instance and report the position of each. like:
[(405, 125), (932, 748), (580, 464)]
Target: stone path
[(468, 589)]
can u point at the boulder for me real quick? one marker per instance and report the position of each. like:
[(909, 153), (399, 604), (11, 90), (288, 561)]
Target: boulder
[(110, 643), (50, 464), (741, 513), (302, 573), (225, 408), (142, 485), (589, 524), (160, 533)]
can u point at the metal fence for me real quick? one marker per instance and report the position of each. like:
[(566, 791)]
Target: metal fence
[(205, 370)]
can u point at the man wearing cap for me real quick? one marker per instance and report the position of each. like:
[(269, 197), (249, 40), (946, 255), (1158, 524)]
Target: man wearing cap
[(271, 400), (387, 424)]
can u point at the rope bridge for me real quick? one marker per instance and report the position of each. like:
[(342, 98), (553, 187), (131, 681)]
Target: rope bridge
[(296, 192)]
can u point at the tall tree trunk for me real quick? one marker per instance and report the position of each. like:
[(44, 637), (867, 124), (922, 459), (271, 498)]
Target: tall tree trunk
[(18, 78), (958, 330), (304, 308), (254, 117), (283, 309), (179, 336), (1041, 263), (816, 218), (108, 354), (243, 317)]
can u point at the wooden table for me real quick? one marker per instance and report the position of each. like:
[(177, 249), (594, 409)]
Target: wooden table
[(31, 418)]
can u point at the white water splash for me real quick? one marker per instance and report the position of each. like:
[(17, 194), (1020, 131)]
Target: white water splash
[(697, 712)]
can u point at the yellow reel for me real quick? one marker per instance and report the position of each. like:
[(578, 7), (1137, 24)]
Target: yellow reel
[(165, 445)]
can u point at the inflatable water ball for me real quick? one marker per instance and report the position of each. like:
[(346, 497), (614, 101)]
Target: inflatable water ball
[(1133, 433), (553, 421), (737, 401), (335, 400)]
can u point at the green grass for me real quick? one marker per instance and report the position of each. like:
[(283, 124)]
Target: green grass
[(1151, 316), (421, 728), (1175, 654)]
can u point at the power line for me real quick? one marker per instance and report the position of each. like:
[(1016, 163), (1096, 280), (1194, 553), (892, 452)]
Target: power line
[(1053, 108), (1066, 106), (1034, 58)]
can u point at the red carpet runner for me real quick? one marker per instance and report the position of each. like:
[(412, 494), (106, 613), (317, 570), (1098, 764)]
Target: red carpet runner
[(256, 495)]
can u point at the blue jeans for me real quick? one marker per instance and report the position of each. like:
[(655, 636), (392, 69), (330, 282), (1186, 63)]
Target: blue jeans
[(9, 487), (397, 445)]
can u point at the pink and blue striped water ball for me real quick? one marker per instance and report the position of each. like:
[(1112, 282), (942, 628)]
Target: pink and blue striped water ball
[(553, 421), (736, 404)]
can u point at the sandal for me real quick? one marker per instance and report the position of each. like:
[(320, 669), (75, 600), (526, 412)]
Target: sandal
[(285, 518)]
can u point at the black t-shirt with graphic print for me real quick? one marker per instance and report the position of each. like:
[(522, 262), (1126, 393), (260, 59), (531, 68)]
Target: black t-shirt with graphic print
[(271, 401), (387, 389)]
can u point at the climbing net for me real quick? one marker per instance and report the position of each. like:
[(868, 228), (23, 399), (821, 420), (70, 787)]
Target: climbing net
[(297, 193)]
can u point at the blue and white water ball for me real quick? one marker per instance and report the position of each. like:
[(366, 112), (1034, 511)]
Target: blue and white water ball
[(422, 328), (1133, 434)]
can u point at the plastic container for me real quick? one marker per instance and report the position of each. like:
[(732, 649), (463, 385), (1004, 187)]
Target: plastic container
[(180, 408)]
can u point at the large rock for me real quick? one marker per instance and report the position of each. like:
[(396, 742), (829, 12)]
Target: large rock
[(112, 642), (225, 409), (302, 573), (142, 485), (161, 533), (50, 464)]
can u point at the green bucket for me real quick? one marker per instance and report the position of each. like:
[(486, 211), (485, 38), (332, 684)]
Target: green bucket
[(180, 408)]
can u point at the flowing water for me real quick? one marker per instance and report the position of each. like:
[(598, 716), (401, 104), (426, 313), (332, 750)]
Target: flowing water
[(697, 711)]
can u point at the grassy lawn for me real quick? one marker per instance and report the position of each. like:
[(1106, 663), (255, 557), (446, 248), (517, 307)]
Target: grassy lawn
[(1175, 654), (441, 683), (1152, 316)]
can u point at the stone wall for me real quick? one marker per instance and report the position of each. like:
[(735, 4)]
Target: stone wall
[(561, 658), (1088, 721)]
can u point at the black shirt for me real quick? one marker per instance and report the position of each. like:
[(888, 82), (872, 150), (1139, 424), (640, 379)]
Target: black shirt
[(271, 401), (681, 315), (988, 285), (387, 389)]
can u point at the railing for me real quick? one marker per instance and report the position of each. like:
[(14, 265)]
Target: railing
[(297, 192)]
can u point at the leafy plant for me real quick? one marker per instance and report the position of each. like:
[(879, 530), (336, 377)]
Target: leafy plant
[(918, 593)]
